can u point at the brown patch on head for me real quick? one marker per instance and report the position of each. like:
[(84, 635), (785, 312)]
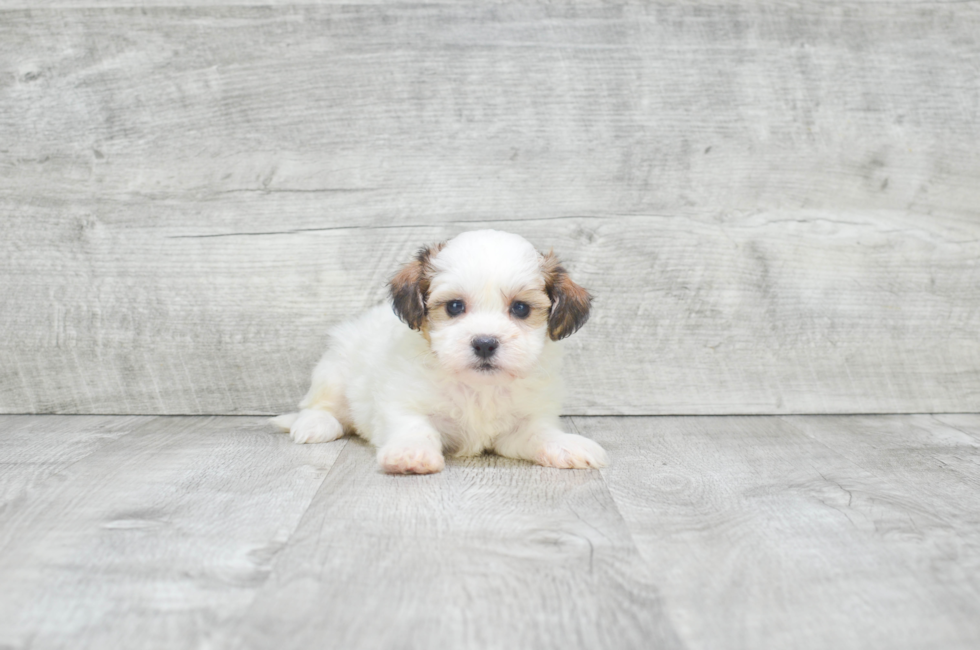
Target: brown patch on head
[(570, 303), (409, 288)]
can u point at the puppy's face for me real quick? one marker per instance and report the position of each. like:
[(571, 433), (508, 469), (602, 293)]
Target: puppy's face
[(487, 301)]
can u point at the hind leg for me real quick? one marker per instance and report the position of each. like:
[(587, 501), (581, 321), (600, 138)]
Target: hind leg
[(313, 425), (325, 414)]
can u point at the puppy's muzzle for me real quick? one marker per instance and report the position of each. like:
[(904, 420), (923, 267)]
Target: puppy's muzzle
[(484, 346)]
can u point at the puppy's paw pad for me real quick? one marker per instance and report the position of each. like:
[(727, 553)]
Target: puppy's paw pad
[(315, 426), (572, 452), (410, 460)]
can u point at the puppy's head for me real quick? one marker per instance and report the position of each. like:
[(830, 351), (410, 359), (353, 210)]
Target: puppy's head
[(487, 301)]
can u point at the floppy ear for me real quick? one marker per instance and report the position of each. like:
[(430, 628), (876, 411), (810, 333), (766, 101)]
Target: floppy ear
[(409, 288), (570, 303)]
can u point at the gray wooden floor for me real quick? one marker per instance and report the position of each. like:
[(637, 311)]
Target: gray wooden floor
[(705, 532)]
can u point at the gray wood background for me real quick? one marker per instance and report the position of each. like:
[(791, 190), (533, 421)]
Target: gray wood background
[(777, 204), (705, 533)]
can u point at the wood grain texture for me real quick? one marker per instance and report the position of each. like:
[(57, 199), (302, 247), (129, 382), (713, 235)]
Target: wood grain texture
[(775, 203), (803, 532), (967, 423), (491, 553), (159, 537), (704, 532), (128, 4), (35, 448)]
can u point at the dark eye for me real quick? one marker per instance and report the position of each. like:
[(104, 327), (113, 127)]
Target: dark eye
[(455, 307), (520, 309)]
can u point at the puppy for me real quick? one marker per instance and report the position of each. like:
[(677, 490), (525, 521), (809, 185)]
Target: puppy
[(465, 359)]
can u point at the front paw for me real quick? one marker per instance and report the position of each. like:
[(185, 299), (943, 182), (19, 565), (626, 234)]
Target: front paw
[(401, 459), (570, 451)]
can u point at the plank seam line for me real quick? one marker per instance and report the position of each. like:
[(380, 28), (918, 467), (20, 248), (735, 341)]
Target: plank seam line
[(954, 428), (233, 626), (643, 561), (392, 227), (619, 514)]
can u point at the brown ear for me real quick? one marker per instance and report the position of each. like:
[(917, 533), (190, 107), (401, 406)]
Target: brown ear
[(409, 288), (570, 303)]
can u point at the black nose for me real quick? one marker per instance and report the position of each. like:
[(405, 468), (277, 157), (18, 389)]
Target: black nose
[(485, 346)]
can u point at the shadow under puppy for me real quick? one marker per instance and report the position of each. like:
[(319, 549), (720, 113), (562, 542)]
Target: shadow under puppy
[(477, 368)]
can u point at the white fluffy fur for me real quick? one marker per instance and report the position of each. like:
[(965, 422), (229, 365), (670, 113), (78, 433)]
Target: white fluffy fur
[(416, 399)]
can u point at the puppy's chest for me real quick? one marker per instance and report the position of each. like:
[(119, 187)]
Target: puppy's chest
[(470, 419)]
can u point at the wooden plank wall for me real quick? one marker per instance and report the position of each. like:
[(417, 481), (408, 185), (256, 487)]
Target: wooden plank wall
[(777, 204)]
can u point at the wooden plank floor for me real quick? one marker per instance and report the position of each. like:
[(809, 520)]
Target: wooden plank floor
[(705, 532)]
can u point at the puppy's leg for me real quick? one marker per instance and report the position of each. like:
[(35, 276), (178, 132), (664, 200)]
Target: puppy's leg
[(411, 446), (314, 425), (542, 442), (325, 413)]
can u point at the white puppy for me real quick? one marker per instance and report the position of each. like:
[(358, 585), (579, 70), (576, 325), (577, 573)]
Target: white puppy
[(477, 367)]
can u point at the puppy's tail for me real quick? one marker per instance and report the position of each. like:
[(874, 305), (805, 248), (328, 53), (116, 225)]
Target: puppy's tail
[(284, 422)]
